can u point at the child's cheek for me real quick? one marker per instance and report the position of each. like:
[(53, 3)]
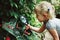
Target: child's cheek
[(40, 19)]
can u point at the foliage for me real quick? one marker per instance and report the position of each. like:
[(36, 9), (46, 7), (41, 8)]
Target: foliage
[(57, 9), (10, 11)]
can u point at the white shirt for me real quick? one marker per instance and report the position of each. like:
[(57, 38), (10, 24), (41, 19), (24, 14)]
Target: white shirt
[(54, 24)]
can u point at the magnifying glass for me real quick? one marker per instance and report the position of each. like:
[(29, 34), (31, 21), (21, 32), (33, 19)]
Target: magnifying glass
[(24, 21)]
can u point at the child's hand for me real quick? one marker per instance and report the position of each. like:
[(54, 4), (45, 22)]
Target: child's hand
[(27, 33), (27, 29)]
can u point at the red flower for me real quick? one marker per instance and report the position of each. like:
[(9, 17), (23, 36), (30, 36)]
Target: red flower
[(7, 38)]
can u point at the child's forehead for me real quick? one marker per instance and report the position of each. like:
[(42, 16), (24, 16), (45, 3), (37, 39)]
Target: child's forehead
[(40, 12), (36, 10)]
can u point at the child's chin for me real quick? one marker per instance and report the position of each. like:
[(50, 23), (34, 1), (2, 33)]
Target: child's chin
[(40, 21)]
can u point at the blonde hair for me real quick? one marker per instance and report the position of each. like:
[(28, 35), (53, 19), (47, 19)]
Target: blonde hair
[(46, 6)]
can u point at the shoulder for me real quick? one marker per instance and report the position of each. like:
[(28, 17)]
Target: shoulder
[(50, 24)]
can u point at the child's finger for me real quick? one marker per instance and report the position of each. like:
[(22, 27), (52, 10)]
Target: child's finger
[(27, 27)]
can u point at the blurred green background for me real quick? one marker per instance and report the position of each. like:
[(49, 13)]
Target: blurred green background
[(12, 9)]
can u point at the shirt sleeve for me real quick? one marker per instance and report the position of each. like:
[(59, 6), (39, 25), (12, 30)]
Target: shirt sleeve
[(50, 25)]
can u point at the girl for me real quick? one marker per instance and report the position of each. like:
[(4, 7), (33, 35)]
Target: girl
[(45, 12)]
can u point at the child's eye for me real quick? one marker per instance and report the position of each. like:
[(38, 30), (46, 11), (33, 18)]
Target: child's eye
[(37, 15)]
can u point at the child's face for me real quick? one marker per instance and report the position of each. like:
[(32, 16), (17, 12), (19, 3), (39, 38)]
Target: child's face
[(41, 16)]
